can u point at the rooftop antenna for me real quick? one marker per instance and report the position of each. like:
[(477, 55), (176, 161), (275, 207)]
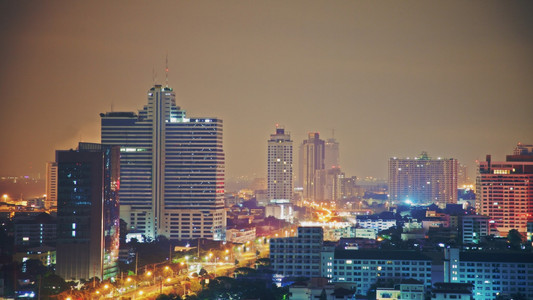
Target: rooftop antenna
[(166, 70), (154, 75)]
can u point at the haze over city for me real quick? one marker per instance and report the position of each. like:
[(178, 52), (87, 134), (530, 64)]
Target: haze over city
[(391, 78)]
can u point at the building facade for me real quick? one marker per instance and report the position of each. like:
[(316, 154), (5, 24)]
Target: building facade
[(490, 273), (312, 154), (280, 167), (375, 222), (88, 212), (51, 185), (423, 180), (298, 256), (504, 190), (360, 269), (172, 175), (331, 154), (473, 228), (35, 230)]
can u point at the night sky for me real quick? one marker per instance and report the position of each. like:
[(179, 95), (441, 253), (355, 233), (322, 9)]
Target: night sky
[(392, 78)]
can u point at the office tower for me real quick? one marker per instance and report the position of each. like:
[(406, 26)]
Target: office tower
[(504, 190), (328, 184), (331, 154), (172, 175), (280, 167), (462, 175), (491, 273), (423, 180), (88, 212), (311, 160), (51, 185), (349, 187)]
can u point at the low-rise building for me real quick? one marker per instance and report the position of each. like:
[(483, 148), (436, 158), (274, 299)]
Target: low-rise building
[(240, 235), (407, 289), (375, 222), (448, 290), (45, 254), (473, 227), (35, 230)]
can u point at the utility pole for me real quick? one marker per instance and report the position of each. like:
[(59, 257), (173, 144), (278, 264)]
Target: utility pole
[(136, 262)]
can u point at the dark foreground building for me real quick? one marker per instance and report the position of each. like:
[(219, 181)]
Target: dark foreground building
[(88, 212)]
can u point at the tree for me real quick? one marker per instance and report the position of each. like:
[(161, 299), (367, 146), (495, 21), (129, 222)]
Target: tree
[(53, 284), (168, 297), (323, 295), (202, 272), (514, 238)]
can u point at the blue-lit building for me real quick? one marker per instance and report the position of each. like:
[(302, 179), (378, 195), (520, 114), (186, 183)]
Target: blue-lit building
[(88, 212), (172, 169), (491, 273), (359, 269)]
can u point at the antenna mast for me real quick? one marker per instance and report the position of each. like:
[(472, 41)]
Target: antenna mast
[(166, 70)]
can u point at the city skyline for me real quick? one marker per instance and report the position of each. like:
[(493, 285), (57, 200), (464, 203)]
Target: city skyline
[(394, 79)]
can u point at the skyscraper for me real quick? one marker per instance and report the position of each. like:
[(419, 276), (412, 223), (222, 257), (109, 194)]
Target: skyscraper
[(331, 154), (88, 212), (423, 180), (280, 166), (172, 175), (311, 160), (504, 190)]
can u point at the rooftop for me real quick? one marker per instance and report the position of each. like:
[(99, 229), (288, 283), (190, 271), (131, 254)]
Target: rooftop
[(381, 254)]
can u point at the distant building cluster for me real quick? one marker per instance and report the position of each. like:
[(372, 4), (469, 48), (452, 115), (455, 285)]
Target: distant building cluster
[(425, 231)]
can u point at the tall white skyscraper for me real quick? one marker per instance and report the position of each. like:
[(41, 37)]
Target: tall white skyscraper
[(172, 169), (280, 166)]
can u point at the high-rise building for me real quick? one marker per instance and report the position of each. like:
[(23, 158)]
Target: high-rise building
[(504, 190), (280, 167), (328, 184), (423, 180), (88, 212), (51, 185), (311, 160), (172, 175), (462, 175), (331, 154)]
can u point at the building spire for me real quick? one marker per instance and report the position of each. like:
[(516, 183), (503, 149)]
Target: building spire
[(166, 71)]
